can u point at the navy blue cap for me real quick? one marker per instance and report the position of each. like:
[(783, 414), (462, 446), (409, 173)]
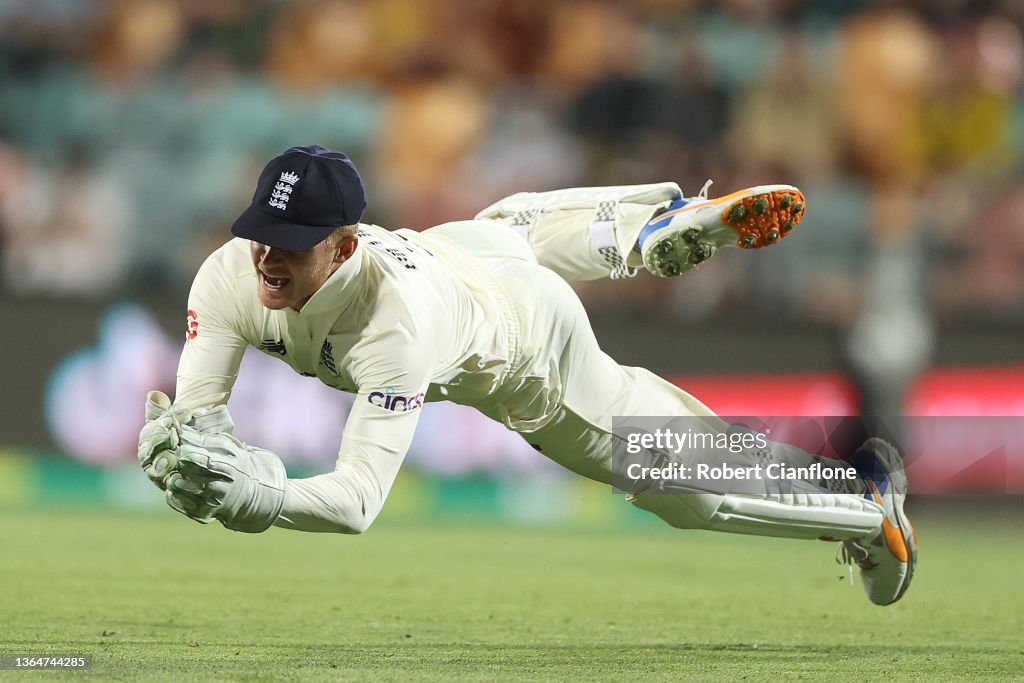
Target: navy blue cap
[(302, 196)]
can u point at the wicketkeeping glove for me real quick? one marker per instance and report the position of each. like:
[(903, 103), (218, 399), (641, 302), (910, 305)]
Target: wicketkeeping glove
[(219, 477), (159, 438)]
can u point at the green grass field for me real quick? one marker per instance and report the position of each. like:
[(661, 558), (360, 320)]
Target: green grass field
[(154, 597)]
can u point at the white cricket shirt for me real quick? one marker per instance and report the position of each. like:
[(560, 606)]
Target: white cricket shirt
[(408, 318)]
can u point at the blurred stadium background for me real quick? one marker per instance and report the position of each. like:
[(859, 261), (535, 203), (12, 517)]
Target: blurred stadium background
[(131, 133)]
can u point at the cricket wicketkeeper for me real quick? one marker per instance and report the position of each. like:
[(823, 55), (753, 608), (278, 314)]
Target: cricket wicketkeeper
[(479, 312)]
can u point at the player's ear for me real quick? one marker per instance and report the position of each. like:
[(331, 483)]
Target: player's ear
[(345, 247)]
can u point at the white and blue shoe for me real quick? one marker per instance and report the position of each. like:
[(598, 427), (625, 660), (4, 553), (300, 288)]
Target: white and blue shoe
[(886, 558), (691, 230)]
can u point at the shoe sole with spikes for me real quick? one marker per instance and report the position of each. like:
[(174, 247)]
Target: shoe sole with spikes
[(749, 219)]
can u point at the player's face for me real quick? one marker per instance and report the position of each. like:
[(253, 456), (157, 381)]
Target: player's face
[(289, 278)]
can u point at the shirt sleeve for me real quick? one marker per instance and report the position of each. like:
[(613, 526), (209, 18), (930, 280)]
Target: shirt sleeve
[(214, 342), (393, 376)]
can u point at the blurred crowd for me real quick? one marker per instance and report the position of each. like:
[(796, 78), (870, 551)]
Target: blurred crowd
[(132, 132)]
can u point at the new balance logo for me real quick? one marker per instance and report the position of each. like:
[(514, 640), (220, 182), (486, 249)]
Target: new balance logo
[(273, 346), (283, 190), (327, 357)]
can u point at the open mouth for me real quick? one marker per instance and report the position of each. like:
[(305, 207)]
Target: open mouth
[(274, 283)]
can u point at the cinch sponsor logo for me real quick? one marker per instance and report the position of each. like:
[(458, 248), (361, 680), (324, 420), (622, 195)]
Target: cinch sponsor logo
[(389, 400)]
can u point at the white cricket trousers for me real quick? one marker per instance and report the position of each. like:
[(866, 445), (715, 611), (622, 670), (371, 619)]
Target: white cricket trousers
[(595, 388)]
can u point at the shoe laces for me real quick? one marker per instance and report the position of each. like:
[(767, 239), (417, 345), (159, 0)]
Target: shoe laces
[(852, 553), (845, 557), (703, 194)]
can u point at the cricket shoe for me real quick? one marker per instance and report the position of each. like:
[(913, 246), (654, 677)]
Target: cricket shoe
[(691, 230), (887, 557)]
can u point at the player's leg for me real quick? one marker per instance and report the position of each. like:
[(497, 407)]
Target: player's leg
[(595, 232), (876, 533), (567, 392), (569, 419), (580, 437)]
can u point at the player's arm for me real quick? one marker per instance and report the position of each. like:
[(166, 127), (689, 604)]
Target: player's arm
[(246, 488), (373, 447), (393, 379), (214, 340), (209, 364)]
